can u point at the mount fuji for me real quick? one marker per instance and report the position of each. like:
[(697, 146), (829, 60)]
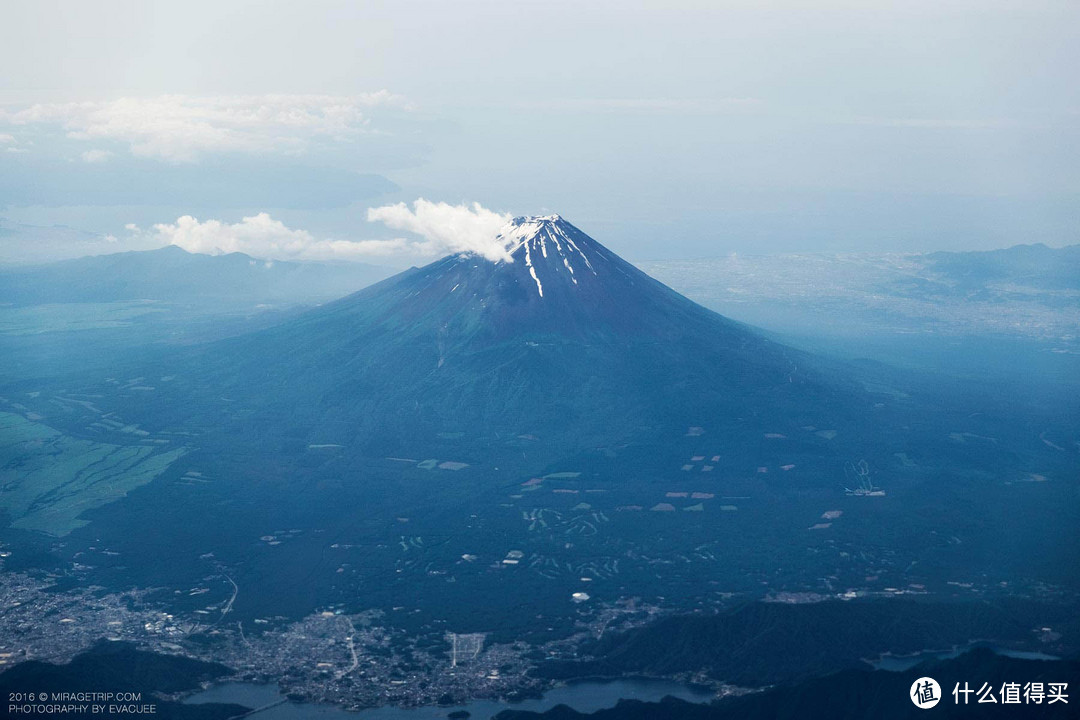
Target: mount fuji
[(560, 339)]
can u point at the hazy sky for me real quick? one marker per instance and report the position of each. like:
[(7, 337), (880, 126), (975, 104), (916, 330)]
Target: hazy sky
[(663, 129)]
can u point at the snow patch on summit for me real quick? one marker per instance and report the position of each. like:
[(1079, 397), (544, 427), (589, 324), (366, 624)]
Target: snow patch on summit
[(532, 270), (547, 241)]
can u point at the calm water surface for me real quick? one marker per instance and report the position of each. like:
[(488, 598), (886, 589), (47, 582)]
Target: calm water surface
[(582, 696), (899, 663)]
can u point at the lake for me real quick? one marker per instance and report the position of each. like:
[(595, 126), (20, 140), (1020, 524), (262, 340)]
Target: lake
[(585, 696), (899, 663)]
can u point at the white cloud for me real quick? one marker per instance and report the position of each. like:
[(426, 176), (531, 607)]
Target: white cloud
[(95, 156), (443, 229), (6, 139), (264, 237), (181, 128), (259, 235), (447, 228)]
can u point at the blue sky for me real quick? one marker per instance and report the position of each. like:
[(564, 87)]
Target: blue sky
[(664, 129)]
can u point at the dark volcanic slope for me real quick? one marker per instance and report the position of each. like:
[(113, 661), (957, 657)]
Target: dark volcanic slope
[(561, 338)]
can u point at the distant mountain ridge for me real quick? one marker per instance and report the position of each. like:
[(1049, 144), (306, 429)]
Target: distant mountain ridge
[(1030, 291), (1035, 265), (173, 275)]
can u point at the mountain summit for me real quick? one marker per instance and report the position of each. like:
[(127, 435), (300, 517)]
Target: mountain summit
[(556, 282), (549, 247)]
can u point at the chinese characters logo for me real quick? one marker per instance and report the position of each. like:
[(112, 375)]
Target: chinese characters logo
[(925, 693)]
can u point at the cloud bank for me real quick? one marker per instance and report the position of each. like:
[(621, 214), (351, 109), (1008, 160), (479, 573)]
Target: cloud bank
[(182, 128), (264, 237), (447, 228), (442, 229)]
